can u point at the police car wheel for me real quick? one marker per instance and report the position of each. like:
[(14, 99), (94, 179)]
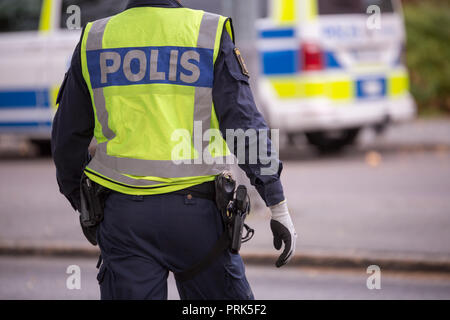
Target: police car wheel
[(43, 147), (332, 141)]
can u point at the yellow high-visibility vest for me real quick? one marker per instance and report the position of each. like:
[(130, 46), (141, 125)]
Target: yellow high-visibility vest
[(150, 74)]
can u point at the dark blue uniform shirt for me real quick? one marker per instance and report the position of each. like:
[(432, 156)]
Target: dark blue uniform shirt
[(73, 125)]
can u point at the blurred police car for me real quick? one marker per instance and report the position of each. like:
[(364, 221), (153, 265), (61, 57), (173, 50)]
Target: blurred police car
[(331, 67), (35, 50)]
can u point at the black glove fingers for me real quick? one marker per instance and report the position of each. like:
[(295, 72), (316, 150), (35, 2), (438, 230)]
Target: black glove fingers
[(286, 252), (277, 242), (281, 234)]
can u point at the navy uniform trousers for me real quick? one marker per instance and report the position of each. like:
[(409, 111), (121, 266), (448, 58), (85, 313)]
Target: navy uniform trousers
[(142, 238)]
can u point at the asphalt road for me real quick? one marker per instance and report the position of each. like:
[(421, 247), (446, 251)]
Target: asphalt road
[(387, 197), (385, 202), (45, 278)]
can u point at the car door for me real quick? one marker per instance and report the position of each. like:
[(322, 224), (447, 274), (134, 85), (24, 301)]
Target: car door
[(24, 94)]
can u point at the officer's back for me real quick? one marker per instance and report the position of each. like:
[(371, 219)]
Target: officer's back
[(158, 85)]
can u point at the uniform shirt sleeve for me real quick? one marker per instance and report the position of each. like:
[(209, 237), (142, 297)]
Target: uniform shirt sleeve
[(72, 131), (236, 109)]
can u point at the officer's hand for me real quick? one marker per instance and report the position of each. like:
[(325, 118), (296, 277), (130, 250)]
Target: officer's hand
[(283, 231), (90, 233)]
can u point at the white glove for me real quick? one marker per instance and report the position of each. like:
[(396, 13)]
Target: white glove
[(283, 231)]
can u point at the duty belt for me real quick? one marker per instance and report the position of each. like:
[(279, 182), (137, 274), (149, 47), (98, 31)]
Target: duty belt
[(205, 190)]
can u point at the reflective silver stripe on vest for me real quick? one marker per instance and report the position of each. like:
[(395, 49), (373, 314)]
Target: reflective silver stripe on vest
[(95, 37), (155, 168), (203, 96), (97, 166), (95, 42), (208, 30), (112, 167)]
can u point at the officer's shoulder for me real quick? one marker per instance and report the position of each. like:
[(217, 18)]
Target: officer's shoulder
[(234, 58)]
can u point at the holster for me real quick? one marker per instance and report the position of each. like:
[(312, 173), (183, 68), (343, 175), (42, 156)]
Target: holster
[(225, 186), (93, 197), (240, 208), (234, 206)]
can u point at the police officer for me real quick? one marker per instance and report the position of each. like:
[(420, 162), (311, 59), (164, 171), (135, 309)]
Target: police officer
[(142, 82)]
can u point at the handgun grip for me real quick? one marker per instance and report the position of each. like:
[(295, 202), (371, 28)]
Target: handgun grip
[(241, 198)]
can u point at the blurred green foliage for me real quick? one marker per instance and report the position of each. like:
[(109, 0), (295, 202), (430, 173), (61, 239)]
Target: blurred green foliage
[(428, 54), (19, 15)]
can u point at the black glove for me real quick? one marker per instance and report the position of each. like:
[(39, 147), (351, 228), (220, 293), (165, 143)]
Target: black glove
[(283, 232), (90, 233)]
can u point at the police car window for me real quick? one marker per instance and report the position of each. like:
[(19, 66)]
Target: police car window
[(19, 15), (353, 6), (90, 10), (263, 9)]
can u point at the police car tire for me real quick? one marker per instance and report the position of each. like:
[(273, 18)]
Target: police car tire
[(325, 142), (43, 146)]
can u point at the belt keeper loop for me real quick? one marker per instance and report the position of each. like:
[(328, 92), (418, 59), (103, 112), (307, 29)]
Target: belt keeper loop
[(138, 198)]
